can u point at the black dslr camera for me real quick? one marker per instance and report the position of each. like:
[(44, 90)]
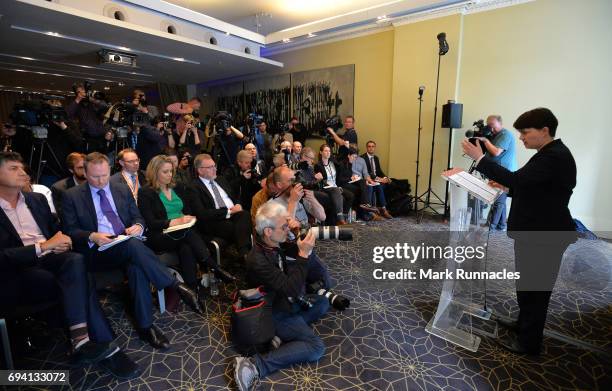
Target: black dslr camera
[(299, 178), (222, 121), (337, 301), (480, 130)]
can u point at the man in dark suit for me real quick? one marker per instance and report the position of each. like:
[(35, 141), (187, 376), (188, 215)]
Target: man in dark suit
[(130, 174), (76, 165), (37, 265), (219, 213), (94, 213), (378, 176), (539, 221)]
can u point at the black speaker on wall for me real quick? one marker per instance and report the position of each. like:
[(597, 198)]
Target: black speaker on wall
[(452, 115)]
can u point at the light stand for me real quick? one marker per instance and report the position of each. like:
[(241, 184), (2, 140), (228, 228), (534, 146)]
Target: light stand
[(416, 183), (427, 204)]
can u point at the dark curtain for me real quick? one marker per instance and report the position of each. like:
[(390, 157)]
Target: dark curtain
[(171, 93)]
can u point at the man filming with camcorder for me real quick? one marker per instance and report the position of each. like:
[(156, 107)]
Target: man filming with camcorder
[(341, 137), (283, 281), (497, 143), (227, 138), (87, 108)]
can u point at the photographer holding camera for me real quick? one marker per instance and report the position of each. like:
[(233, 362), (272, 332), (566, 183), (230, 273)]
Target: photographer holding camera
[(283, 281), (227, 139), (500, 147), (349, 134), (188, 136), (87, 109)]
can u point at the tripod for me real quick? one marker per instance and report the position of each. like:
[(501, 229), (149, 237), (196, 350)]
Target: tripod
[(41, 144), (416, 183), (426, 197)]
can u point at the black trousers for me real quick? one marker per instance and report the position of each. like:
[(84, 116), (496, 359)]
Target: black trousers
[(60, 277), (359, 190), (237, 229), (538, 260), (190, 247)]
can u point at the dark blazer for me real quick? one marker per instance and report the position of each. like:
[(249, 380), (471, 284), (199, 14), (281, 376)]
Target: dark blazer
[(153, 210), (202, 202), (58, 189), (79, 213), (148, 145), (13, 254), (343, 171), (540, 190), (118, 179), (379, 170)]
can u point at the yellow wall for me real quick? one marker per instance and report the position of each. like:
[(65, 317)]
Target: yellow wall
[(505, 61), (373, 59)]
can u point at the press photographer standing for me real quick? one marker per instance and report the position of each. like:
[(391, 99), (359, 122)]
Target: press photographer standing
[(86, 110), (348, 134), (283, 282), (539, 222), (501, 149)]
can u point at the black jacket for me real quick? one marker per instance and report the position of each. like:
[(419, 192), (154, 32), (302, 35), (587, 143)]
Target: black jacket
[(262, 269), (540, 190), (79, 213), (149, 144), (343, 172), (153, 210), (244, 188), (118, 179), (202, 202), (379, 170), (14, 255), (59, 189)]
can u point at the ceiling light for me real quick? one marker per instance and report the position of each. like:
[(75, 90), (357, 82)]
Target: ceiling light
[(381, 19), (124, 48), (227, 33), (27, 58), (181, 59), (53, 34), (310, 35), (286, 40), (106, 88), (121, 84)]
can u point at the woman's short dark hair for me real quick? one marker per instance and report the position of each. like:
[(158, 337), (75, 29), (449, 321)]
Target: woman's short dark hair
[(537, 119)]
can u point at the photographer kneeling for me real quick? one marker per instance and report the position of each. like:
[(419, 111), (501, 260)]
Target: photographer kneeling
[(284, 283)]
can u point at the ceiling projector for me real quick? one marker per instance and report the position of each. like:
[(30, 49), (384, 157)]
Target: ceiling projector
[(117, 58)]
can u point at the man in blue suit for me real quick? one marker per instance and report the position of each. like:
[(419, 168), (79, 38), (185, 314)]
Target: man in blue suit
[(95, 212), (37, 265)]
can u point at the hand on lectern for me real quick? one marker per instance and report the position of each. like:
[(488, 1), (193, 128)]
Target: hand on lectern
[(452, 171)]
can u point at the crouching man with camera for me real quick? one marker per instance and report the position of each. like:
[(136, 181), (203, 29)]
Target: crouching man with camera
[(284, 283)]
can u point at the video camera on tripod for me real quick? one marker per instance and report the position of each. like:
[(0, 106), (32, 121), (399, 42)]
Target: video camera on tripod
[(38, 115)]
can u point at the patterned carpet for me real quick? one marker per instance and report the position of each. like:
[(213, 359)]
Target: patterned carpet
[(380, 342)]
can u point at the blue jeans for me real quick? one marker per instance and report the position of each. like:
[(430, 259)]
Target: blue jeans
[(300, 343), (379, 192), (498, 213)]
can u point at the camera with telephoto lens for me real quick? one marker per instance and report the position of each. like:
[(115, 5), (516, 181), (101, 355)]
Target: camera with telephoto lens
[(254, 174), (254, 119), (299, 178), (222, 121), (91, 93), (337, 301), (304, 301), (480, 130), (327, 232)]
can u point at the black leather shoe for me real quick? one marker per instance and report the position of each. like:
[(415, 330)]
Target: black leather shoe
[(508, 324), (224, 275), (154, 337), (513, 345), (120, 366), (89, 353), (189, 297)]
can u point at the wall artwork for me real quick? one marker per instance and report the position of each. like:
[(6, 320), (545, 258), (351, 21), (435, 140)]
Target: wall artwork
[(312, 96), (322, 93), (270, 97)]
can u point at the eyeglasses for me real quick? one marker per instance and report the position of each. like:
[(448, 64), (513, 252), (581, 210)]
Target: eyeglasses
[(213, 166)]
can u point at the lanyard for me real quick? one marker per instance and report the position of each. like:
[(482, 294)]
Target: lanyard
[(133, 186)]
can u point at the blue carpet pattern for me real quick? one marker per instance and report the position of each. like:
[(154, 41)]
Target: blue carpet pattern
[(380, 342)]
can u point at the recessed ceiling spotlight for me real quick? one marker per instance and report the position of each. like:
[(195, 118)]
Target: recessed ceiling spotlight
[(124, 48), (106, 88), (53, 34), (27, 58), (121, 84), (181, 59), (382, 18), (310, 35), (286, 40), (227, 33)]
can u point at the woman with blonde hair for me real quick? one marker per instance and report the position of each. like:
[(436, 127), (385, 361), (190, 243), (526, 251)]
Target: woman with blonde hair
[(163, 206)]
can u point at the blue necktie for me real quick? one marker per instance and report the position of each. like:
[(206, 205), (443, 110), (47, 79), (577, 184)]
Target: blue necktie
[(118, 227)]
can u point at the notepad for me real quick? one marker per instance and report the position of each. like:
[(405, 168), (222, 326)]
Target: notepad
[(120, 239), (180, 227), (475, 186)]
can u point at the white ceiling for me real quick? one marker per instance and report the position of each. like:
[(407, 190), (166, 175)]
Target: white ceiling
[(32, 59), (284, 13)]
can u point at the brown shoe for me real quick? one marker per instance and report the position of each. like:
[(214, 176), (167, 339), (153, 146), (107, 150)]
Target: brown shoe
[(341, 222), (385, 213), (377, 217)]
